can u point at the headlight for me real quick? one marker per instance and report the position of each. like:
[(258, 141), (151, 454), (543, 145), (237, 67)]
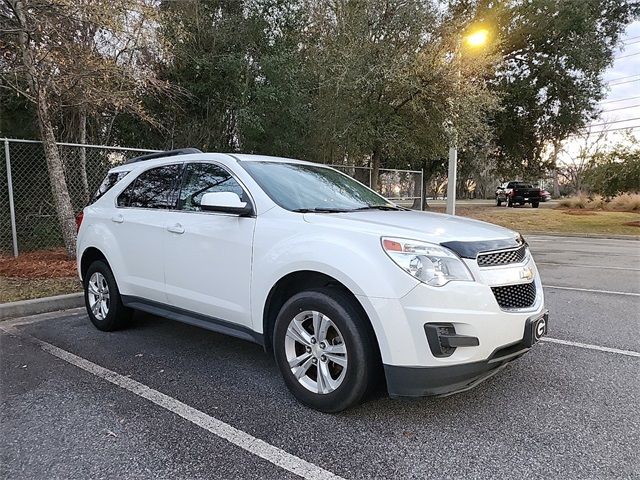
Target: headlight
[(429, 263)]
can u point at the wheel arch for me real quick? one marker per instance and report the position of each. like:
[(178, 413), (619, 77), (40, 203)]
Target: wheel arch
[(90, 255), (299, 281)]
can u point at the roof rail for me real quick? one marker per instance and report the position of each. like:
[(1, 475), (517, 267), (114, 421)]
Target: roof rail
[(168, 153)]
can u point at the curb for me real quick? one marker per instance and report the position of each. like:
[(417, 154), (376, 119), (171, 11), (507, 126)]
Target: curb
[(25, 308), (603, 236)]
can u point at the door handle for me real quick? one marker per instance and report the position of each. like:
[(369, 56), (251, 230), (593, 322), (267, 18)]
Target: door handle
[(117, 218), (177, 228)]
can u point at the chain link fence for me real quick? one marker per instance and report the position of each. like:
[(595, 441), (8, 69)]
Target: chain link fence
[(28, 219), (404, 187), (36, 222)]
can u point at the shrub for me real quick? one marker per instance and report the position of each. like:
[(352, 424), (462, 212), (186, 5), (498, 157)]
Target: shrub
[(575, 202), (628, 202)]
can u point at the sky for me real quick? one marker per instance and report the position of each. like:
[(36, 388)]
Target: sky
[(621, 107)]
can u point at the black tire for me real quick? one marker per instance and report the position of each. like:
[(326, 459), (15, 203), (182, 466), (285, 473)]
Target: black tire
[(117, 315), (363, 361), (498, 202), (535, 204), (509, 203)]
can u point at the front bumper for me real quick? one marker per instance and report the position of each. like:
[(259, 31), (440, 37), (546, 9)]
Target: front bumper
[(447, 380)]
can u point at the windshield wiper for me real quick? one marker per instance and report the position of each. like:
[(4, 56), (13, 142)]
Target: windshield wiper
[(320, 210), (380, 207)]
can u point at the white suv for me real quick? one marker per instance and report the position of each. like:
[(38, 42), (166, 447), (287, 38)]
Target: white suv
[(340, 284)]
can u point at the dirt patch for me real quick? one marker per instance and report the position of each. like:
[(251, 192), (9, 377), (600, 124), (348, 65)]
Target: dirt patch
[(39, 264), (635, 223), (579, 212)]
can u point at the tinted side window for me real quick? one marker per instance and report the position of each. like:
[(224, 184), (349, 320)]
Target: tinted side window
[(154, 188), (109, 181), (201, 178)]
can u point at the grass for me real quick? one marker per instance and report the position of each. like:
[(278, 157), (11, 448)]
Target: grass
[(13, 289), (552, 220)]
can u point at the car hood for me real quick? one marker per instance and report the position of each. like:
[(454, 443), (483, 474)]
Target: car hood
[(426, 226)]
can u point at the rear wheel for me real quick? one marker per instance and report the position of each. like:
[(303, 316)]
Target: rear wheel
[(324, 349), (535, 204), (498, 202), (509, 203), (102, 298)]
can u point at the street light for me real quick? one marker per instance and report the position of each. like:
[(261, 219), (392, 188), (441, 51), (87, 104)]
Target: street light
[(478, 38)]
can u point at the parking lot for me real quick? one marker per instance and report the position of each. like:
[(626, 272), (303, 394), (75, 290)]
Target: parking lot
[(166, 400)]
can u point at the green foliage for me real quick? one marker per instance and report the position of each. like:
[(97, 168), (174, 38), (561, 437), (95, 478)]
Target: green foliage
[(615, 172), (381, 82), (550, 81)]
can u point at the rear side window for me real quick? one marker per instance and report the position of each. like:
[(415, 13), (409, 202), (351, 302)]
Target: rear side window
[(109, 181), (155, 188), (201, 178)]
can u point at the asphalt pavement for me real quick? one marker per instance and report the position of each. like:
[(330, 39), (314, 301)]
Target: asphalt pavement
[(167, 400)]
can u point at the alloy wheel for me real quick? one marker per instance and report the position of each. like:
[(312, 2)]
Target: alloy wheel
[(98, 294), (316, 352)]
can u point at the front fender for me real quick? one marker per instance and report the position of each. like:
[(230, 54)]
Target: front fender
[(355, 260)]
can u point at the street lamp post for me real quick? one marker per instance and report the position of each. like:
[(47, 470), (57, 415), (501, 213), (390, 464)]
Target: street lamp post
[(476, 39)]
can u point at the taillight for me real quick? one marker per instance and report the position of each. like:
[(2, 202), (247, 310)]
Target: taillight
[(79, 218)]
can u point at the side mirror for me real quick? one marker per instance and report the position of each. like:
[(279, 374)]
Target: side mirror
[(225, 202)]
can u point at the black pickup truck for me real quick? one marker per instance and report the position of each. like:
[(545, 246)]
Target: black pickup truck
[(518, 193)]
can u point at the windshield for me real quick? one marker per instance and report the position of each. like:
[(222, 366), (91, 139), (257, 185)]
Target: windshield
[(302, 188)]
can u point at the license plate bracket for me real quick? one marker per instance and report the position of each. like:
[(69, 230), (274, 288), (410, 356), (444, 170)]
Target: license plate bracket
[(536, 328)]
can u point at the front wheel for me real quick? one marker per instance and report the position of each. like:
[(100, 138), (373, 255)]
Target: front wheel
[(324, 349)]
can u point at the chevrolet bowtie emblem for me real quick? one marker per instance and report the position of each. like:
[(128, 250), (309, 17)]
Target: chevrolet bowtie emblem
[(527, 273)]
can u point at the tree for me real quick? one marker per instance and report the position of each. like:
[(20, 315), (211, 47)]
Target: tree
[(615, 171), (388, 83), (550, 80), (76, 55), (579, 162)]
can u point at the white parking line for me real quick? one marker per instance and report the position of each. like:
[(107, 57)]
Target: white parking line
[(223, 430), (629, 353), (592, 291), (600, 267)]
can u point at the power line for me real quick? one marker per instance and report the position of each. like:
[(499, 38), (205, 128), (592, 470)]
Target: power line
[(623, 78), (627, 56), (626, 81), (615, 121), (616, 81), (621, 108), (619, 100), (605, 130)]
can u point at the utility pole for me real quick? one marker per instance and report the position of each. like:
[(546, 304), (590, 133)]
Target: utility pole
[(476, 39), (451, 179)]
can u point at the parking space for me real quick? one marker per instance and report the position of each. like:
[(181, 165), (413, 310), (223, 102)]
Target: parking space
[(560, 411)]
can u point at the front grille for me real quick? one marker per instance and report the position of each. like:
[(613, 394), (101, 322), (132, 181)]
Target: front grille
[(502, 258), (515, 296)]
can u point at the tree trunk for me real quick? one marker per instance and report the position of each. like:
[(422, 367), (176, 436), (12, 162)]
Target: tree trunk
[(56, 177), (419, 190), (82, 139), (556, 184), (52, 155), (375, 169)]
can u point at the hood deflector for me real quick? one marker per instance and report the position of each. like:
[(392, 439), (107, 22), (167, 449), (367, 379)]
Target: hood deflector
[(472, 249)]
